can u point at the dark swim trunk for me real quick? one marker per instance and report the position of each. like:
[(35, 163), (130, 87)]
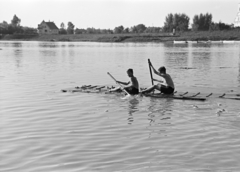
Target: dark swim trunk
[(132, 90), (167, 90)]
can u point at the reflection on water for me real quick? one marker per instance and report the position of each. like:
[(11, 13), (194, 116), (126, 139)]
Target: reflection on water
[(160, 112), (43, 129), (46, 53), (202, 60), (71, 54), (18, 57), (178, 57), (48, 44), (18, 53), (17, 44), (133, 107)]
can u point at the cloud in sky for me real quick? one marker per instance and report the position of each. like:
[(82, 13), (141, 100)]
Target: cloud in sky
[(112, 13)]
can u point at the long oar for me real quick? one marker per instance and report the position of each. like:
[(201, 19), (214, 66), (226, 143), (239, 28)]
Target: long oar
[(119, 84), (150, 70)]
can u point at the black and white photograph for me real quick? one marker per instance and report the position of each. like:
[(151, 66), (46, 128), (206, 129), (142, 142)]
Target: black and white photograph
[(119, 85)]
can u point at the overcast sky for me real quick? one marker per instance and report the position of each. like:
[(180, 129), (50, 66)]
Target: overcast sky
[(106, 14)]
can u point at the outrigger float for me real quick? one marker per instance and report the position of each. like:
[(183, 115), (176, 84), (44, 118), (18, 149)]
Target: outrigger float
[(177, 95)]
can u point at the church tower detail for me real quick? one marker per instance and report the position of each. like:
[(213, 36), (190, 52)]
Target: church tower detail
[(237, 19)]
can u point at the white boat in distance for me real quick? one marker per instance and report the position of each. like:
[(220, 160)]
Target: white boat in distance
[(179, 42), (216, 42), (204, 42), (207, 42), (192, 42), (228, 42)]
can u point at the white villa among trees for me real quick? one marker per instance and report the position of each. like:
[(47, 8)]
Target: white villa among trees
[(47, 28)]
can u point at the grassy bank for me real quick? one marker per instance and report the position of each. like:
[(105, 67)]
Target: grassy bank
[(143, 37), (214, 36)]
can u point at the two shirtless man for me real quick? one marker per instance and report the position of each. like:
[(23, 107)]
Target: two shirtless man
[(166, 87)]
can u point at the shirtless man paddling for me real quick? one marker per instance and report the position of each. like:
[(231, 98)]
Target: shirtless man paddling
[(165, 88), (133, 86)]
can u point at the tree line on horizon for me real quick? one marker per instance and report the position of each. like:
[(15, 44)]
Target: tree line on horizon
[(14, 27), (201, 22), (173, 22), (120, 29)]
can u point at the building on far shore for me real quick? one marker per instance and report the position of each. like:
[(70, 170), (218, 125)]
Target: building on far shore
[(47, 28), (237, 19)]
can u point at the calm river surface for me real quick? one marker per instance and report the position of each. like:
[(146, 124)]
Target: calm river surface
[(43, 129)]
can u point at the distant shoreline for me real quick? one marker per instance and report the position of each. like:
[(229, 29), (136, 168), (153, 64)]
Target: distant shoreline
[(131, 37)]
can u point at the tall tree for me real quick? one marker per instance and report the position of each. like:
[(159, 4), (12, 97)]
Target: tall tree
[(195, 24), (141, 28), (62, 26), (202, 22), (168, 24), (133, 29), (5, 23), (4, 27), (119, 29), (15, 21), (179, 22), (62, 29), (70, 29), (126, 30), (182, 22)]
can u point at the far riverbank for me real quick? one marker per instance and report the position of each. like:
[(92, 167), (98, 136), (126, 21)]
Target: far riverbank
[(132, 37)]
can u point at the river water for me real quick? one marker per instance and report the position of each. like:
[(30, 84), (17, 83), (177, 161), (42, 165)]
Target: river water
[(43, 129)]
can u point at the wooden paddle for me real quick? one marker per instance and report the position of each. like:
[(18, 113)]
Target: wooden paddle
[(150, 69), (119, 84)]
